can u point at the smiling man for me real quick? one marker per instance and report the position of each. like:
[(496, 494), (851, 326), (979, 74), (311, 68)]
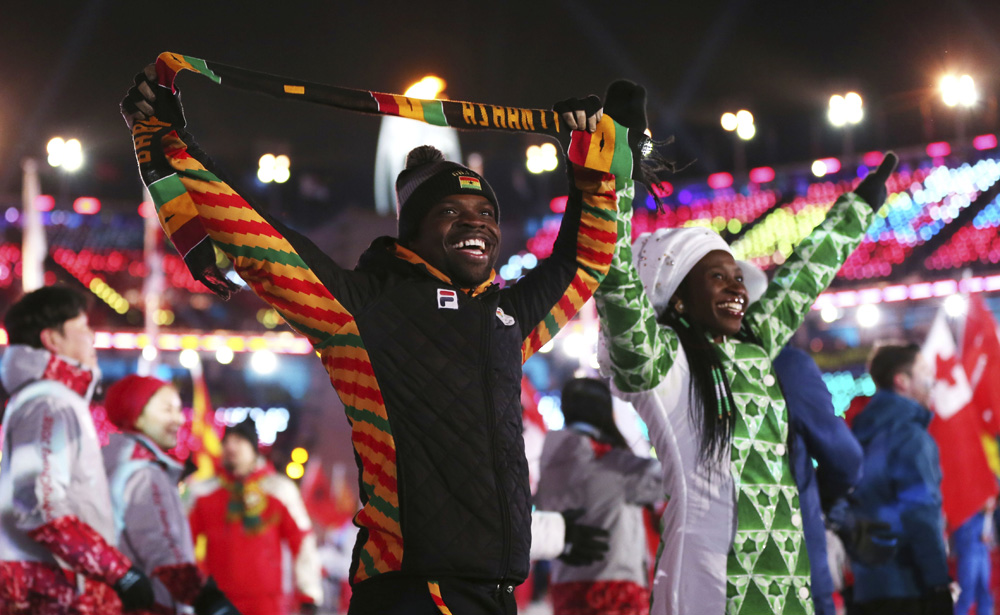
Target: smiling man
[(424, 350)]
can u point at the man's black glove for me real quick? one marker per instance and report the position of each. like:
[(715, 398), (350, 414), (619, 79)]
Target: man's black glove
[(211, 601), (872, 187), (308, 608), (147, 98), (135, 590), (583, 109), (939, 602), (870, 543), (585, 544)]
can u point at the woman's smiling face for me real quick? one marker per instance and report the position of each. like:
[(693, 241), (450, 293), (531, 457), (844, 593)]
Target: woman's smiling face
[(713, 294)]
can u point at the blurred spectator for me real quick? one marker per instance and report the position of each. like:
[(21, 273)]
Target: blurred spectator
[(245, 514), (149, 518), (972, 542), (589, 466), (56, 530), (901, 487)]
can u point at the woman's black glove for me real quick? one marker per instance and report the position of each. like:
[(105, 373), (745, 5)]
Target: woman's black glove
[(872, 187)]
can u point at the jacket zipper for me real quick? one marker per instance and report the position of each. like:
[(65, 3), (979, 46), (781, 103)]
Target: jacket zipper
[(504, 505)]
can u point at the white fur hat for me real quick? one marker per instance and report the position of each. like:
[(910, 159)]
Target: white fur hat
[(663, 258)]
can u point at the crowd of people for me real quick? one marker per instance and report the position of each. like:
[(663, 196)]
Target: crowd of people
[(425, 352)]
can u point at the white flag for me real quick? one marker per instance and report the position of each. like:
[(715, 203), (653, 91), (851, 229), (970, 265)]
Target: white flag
[(951, 391)]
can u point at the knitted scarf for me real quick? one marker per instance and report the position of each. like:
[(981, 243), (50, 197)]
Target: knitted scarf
[(161, 144)]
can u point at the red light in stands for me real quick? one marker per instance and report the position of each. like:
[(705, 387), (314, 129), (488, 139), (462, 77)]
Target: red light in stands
[(984, 142), (147, 209), (939, 149), (718, 181), (761, 175), (872, 159), (558, 204), (663, 189), (87, 205), (45, 202)]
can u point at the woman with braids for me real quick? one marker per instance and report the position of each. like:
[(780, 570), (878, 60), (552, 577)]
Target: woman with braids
[(696, 363)]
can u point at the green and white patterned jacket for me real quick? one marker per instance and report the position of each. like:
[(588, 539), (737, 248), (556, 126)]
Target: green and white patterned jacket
[(732, 541)]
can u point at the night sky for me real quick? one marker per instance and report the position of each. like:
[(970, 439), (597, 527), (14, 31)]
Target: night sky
[(66, 65)]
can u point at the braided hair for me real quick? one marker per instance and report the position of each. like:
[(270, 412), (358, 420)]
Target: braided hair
[(711, 404)]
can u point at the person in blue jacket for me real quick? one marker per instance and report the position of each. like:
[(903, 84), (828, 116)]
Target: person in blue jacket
[(901, 486), (816, 434)]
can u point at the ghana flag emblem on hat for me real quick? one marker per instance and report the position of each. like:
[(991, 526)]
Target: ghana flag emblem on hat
[(469, 183)]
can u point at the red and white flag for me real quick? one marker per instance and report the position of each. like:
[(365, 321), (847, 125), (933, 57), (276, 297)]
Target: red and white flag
[(967, 482), (981, 359)]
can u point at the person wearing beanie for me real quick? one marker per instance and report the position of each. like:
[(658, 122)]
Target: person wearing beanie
[(246, 514), (588, 465), (57, 533), (150, 522), (685, 349), (424, 349)]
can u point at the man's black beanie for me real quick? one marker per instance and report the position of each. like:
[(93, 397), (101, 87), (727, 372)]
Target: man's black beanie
[(247, 429), (427, 179)]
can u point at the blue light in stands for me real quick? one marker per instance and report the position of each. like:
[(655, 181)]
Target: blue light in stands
[(939, 149), (685, 197), (718, 181), (984, 142), (761, 175)]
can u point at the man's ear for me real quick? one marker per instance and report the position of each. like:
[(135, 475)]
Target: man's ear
[(901, 382), (49, 341)]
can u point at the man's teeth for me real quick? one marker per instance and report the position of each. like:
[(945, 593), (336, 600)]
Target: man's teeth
[(732, 306), (470, 243)]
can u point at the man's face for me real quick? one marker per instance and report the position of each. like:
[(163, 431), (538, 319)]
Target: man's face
[(713, 294), (920, 381), (162, 418), (460, 237), (238, 455), (75, 340)]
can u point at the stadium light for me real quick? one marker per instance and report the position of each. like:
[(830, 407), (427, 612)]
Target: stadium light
[(65, 154), (741, 123), (542, 158), (273, 168), (959, 91), (427, 88), (846, 109)]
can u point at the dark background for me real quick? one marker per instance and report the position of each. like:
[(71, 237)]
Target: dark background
[(65, 66)]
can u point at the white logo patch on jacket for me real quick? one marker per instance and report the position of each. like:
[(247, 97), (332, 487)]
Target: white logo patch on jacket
[(447, 299), (504, 318)]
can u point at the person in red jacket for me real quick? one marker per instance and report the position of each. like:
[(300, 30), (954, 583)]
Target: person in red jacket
[(150, 523), (56, 531), (245, 514)]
